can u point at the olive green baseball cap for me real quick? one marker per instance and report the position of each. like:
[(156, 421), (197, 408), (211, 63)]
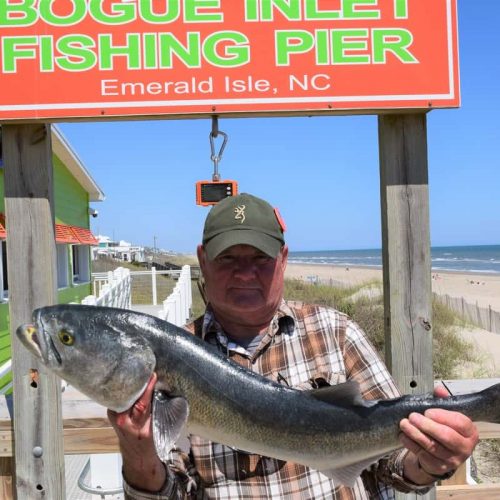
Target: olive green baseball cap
[(243, 220)]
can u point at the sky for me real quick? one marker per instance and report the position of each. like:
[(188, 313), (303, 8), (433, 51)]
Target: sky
[(321, 172)]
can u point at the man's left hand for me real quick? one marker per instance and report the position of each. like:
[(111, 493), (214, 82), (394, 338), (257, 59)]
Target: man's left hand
[(439, 442)]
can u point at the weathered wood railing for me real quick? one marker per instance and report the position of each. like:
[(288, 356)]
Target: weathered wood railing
[(87, 431)]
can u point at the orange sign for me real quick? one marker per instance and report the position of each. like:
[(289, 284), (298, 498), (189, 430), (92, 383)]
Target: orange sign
[(107, 58)]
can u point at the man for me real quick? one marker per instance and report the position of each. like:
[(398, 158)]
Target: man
[(243, 258)]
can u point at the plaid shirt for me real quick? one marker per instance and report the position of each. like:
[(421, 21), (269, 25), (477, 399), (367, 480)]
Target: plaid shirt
[(305, 346)]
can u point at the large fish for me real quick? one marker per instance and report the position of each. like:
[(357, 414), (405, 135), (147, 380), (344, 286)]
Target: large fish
[(110, 354)]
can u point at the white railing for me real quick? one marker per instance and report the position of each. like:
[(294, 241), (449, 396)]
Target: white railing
[(112, 289), (5, 369), (176, 307), (154, 273)]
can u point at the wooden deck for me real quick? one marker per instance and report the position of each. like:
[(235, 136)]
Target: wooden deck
[(87, 431)]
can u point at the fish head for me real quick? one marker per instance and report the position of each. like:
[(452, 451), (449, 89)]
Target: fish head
[(97, 350)]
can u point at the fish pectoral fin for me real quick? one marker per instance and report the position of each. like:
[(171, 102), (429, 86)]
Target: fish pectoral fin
[(169, 418), (346, 394), (348, 475)]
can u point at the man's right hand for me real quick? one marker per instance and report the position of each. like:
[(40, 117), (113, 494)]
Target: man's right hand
[(142, 468)]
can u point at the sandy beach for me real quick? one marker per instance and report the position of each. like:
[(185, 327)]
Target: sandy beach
[(481, 289)]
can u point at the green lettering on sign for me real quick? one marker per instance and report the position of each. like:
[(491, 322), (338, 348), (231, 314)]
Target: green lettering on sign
[(46, 53), (121, 13), (251, 10), (395, 41), (188, 54), (292, 42), (150, 51), (400, 9), (290, 9), (131, 51), (193, 11), (171, 14), (19, 14), (342, 42), (77, 53), (78, 13), (322, 43), (349, 10), (227, 49), (17, 47)]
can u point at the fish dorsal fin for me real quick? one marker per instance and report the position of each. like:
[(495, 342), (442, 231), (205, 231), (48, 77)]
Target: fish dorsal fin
[(169, 418), (346, 394), (348, 475)]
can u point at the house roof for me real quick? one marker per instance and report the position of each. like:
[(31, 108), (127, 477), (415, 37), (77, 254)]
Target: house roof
[(63, 150)]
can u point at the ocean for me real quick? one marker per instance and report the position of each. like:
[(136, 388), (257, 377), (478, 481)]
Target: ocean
[(472, 259)]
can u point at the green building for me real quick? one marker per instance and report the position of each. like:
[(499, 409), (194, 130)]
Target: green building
[(74, 189)]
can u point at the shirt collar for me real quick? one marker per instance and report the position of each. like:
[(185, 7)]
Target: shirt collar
[(284, 315)]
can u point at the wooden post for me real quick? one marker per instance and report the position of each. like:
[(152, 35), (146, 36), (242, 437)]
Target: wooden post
[(406, 253), (31, 258)]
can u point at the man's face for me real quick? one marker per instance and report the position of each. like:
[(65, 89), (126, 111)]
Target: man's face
[(244, 284)]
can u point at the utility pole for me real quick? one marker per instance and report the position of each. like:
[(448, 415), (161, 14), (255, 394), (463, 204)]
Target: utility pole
[(154, 245)]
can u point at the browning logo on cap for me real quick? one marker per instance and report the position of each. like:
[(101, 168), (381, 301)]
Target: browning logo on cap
[(243, 219), (240, 213)]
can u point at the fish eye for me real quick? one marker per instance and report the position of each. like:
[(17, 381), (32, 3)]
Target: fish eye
[(66, 337)]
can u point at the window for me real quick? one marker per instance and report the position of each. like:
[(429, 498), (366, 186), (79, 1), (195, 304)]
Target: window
[(62, 266), (81, 263)]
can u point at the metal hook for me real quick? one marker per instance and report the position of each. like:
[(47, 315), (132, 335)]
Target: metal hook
[(216, 158), (215, 125)]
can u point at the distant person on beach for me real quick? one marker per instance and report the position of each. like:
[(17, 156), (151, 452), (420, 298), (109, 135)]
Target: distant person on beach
[(243, 257)]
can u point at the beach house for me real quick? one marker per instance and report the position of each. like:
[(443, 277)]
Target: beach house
[(74, 190), (120, 250)]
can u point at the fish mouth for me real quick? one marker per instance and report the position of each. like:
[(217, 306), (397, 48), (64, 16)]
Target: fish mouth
[(28, 334), (35, 337)]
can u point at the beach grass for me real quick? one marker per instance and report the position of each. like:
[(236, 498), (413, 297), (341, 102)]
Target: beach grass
[(450, 351)]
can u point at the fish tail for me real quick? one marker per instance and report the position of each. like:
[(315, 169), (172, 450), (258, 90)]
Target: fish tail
[(491, 398)]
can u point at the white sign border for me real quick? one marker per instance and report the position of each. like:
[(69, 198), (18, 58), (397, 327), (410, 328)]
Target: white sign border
[(264, 100)]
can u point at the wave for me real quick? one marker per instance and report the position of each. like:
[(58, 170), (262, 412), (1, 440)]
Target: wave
[(479, 259)]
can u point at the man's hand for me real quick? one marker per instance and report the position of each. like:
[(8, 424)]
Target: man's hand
[(439, 442), (141, 466)]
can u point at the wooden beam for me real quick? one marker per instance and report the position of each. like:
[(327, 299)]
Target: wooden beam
[(406, 253), (77, 441), (469, 492), (31, 260)]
